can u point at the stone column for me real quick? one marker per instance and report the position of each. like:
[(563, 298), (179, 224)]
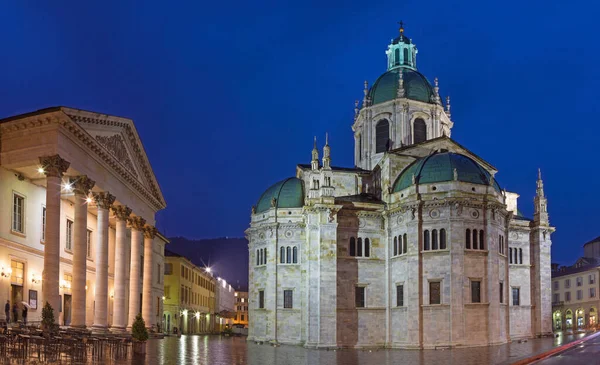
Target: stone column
[(103, 200), (120, 312), (81, 186), (54, 168), (147, 299), (137, 227)]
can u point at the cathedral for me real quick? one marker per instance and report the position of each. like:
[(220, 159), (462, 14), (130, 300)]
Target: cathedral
[(417, 246)]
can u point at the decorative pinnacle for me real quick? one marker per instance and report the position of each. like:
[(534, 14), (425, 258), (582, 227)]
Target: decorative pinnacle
[(401, 30), (366, 91), (448, 106), (315, 143), (355, 109), (436, 89), (326, 139), (539, 174)]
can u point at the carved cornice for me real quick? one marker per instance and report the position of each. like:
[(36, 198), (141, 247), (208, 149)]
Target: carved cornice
[(54, 166), (150, 231), (104, 199), (136, 223), (122, 212), (82, 184)]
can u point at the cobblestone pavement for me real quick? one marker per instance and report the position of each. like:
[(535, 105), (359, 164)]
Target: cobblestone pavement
[(216, 350), (587, 353)]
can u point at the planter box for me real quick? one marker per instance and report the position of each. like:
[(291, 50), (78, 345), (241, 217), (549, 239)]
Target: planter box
[(139, 347)]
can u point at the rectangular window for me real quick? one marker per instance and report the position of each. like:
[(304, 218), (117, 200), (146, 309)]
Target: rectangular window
[(592, 292), (89, 243), (556, 285), (568, 296), (242, 318), (158, 272), (434, 292), (579, 294), (501, 292), (579, 281), (43, 239), (261, 299), (515, 296), (475, 291), (69, 242), (556, 298), (592, 278), (181, 270), (400, 295), (359, 296), (168, 269), (288, 299), (567, 283), (18, 218), (68, 281), (18, 272)]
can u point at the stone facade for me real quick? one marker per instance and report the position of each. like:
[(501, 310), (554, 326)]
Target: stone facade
[(365, 257)]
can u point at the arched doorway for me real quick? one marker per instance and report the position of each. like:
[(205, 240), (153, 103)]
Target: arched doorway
[(580, 315), (593, 317), (569, 319), (557, 321)]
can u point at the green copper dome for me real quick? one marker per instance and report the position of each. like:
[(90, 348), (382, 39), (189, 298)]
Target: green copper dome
[(439, 167), (289, 194), (416, 86)]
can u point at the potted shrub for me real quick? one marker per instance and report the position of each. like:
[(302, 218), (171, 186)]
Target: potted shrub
[(139, 333), (48, 324)]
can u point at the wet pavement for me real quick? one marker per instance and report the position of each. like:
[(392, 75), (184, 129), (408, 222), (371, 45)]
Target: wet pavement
[(216, 350), (587, 353)]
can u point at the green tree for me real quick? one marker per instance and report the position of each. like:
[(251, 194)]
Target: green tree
[(138, 329), (48, 317)]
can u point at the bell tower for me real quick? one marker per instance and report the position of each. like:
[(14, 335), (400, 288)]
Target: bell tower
[(400, 108)]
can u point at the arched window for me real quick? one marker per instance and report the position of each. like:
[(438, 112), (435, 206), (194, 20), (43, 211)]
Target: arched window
[(264, 256), (515, 260), (406, 56), (352, 246), (359, 249), (468, 239), (442, 239), (295, 255), (400, 244), (382, 136), (288, 253), (257, 258), (395, 246), (426, 240), (474, 239), (367, 248), (510, 255), (282, 255), (404, 244), (520, 256), (481, 240), (397, 57), (434, 240), (420, 130)]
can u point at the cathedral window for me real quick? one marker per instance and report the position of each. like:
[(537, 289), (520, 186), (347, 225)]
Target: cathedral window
[(442, 239), (397, 57), (395, 246), (359, 248), (261, 299), (406, 62), (382, 136), (288, 252), (295, 255), (434, 239), (515, 296), (367, 248), (352, 246), (501, 292), (419, 130), (400, 295), (359, 296), (510, 255), (474, 239), (404, 244), (434, 292), (481, 240), (468, 239), (282, 255), (426, 240), (257, 258), (288, 296), (475, 291), (520, 256)]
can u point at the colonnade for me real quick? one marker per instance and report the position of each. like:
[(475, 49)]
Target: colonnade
[(141, 233)]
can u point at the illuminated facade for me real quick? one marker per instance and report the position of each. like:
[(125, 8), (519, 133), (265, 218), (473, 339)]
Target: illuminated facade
[(78, 200), (391, 252), (225, 296), (189, 301), (241, 308)]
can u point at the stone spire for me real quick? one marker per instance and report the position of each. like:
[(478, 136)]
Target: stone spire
[(400, 93), (314, 163), (355, 109), (326, 154), (540, 215), (436, 89), (366, 92), (448, 106)]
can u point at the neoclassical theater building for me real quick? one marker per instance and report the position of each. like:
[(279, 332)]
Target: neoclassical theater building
[(78, 200), (417, 246)]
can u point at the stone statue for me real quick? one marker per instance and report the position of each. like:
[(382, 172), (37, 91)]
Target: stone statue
[(273, 202), (254, 209)]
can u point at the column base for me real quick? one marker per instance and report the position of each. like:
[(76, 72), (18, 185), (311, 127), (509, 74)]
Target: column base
[(99, 329), (115, 329), (78, 326)]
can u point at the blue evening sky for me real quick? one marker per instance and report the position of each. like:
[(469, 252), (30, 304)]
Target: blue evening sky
[(227, 95)]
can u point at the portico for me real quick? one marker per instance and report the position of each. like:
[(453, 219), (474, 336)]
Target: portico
[(79, 192)]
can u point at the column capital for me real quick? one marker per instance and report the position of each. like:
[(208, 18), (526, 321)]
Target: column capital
[(121, 211), (54, 166), (82, 184), (104, 199), (150, 231), (136, 223)]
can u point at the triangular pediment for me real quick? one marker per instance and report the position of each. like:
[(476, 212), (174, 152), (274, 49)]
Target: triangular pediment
[(119, 138)]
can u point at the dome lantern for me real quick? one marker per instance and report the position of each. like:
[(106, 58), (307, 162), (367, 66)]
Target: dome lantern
[(401, 52)]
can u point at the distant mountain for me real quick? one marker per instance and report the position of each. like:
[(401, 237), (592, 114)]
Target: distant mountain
[(227, 257)]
